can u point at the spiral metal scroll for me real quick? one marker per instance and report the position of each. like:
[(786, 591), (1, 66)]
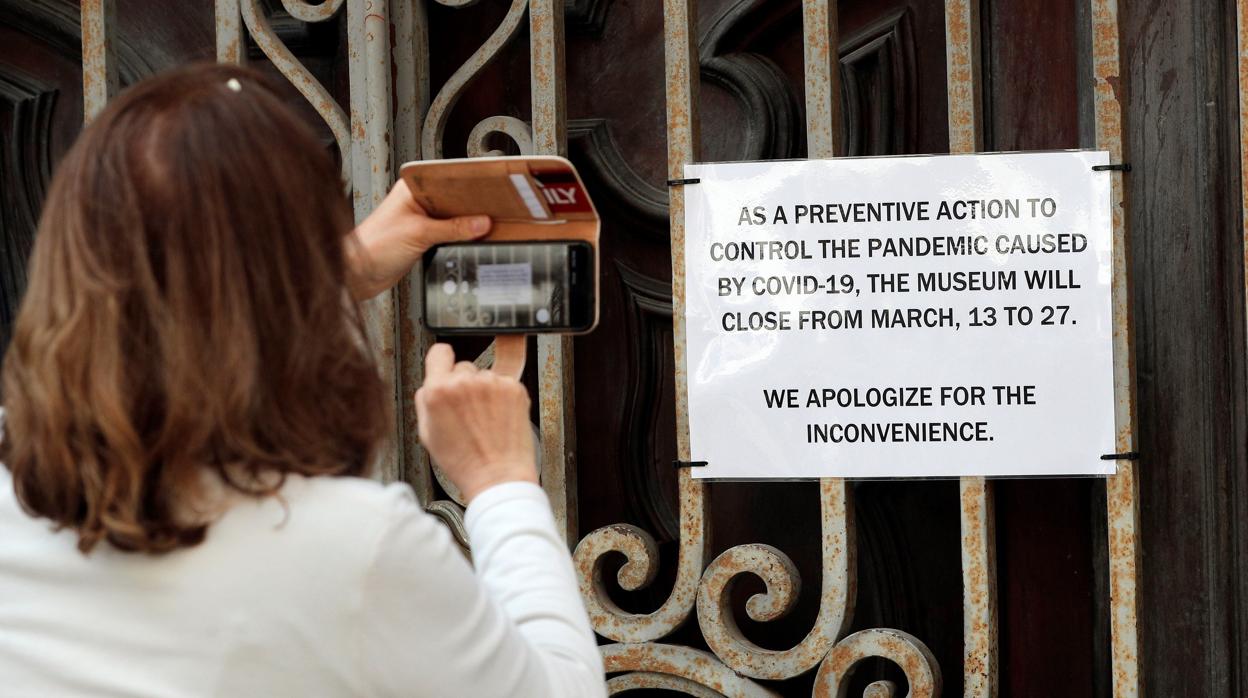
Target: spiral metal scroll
[(837, 595), (905, 650), (444, 102), (304, 12), (686, 663), (639, 680), (294, 71), (641, 553), (515, 129)]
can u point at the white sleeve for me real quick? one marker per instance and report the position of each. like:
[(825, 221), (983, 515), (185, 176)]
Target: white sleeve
[(515, 628)]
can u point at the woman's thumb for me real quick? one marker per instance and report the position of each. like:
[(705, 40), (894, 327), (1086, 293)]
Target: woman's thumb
[(453, 229)]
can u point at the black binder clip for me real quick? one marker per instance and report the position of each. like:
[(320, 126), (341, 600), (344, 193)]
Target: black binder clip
[(1129, 455), (689, 464), (1120, 167), (682, 182)]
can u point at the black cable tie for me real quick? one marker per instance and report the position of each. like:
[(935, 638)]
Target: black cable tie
[(689, 464), (680, 182), (1129, 455), (1120, 167)]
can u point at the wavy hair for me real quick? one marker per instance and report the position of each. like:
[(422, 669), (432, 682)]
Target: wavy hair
[(187, 311)]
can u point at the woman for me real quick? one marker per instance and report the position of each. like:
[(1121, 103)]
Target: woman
[(189, 402)]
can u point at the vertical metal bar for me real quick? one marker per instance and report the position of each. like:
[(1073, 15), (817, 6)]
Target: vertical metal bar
[(410, 53), (979, 575), (546, 65), (230, 47), (963, 75), (1121, 490), (822, 68), (556, 389), (823, 78), (608, 619), (99, 68), (1241, 47), (683, 147), (368, 53), (979, 588), (368, 48)]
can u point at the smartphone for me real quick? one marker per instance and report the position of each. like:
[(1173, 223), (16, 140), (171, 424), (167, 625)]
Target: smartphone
[(522, 287)]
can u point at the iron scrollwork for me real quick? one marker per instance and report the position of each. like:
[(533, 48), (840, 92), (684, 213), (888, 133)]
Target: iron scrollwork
[(637, 655)]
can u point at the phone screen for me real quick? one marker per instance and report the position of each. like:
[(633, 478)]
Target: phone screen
[(545, 286)]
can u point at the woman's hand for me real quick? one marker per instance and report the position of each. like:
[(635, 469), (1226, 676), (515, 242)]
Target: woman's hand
[(393, 238), (474, 423)]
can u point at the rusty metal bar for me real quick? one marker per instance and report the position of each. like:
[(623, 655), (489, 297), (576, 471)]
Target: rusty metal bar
[(979, 588), (99, 66), (683, 147), (979, 574), (556, 390), (230, 46), (1121, 490), (409, 26), (838, 580), (963, 76), (410, 54), (368, 55), (608, 619), (1241, 25), (839, 592), (547, 70), (823, 78)]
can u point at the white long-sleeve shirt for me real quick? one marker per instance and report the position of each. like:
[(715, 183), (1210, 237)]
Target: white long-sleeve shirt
[(339, 587)]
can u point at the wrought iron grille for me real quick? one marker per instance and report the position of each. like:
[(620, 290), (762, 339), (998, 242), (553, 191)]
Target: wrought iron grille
[(383, 125)]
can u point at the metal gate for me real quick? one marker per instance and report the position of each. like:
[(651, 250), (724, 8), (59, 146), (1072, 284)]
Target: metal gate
[(392, 117)]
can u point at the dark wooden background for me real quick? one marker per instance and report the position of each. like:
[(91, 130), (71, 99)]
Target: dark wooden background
[(1179, 86)]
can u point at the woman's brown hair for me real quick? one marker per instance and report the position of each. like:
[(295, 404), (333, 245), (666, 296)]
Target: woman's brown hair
[(187, 310)]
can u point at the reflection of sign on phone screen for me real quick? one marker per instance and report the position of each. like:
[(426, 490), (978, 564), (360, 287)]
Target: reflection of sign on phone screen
[(502, 286), (505, 284)]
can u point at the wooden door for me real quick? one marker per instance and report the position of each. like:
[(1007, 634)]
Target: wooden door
[(1052, 559)]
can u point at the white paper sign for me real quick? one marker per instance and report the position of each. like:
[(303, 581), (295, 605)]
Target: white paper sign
[(900, 317)]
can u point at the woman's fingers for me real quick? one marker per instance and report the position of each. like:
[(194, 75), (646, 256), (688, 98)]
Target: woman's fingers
[(439, 361), (509, 355), (438, 230)]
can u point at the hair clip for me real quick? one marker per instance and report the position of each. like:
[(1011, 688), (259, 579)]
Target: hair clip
[(234, 85)]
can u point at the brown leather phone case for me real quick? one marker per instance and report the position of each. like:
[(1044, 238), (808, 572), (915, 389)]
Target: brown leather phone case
[(538, 197)]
